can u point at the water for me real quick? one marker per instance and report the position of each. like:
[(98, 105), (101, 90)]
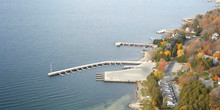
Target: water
[(67, 33)]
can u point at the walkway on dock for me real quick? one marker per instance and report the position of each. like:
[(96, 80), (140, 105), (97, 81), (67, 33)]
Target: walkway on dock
[(118, 44), (93, 65)]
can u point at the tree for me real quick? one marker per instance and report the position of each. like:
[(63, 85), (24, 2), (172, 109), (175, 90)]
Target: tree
[(176, 31), (217, 54), (174, 51), (164, 103), (162, 65), (194, 95), (168, 53), (216, 70), (179, 46), (180, 53), (215, 96), (216, 77), (182, 59), (163, 43), (159, 74)]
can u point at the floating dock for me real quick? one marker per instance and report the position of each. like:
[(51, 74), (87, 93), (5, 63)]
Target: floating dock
[(118, 44), (99, 76), (93, 65)]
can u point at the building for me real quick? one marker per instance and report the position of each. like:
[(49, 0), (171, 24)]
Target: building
[(175, 36), (218, 81), (215, 36)]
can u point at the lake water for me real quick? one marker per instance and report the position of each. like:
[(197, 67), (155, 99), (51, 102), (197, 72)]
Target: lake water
[(70, 33)]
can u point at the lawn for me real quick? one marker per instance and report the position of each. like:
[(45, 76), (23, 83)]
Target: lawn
[(205, 75)]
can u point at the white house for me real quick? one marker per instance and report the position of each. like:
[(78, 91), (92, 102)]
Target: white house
[(215, 36), (175, 36), (218, 81)]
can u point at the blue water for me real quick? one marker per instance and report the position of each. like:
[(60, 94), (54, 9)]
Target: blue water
[(67, 33)]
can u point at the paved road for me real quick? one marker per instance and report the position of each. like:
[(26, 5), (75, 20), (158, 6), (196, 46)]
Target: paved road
[(170, 67)]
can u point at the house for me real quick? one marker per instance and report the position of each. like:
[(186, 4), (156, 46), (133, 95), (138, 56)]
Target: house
[(215, 36), (187, 29), (188, 37), (218, 81), (175, 36)]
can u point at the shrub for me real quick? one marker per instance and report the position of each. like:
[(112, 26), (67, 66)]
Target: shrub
[(182, 59)]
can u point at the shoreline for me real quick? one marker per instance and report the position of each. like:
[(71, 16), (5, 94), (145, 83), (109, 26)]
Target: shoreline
[(147, 56)]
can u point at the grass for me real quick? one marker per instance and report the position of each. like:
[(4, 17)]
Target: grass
[(144, 83), (205, 74), (215, 84), (207, 78), (144, 92), (173, 73)]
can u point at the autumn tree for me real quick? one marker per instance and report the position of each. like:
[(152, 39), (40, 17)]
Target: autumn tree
[(158, 74), (215, 70), (162, 65), (216, 77), (179, 46), (215, 96), (217, 54), (180, 52), (163, 43), (168, 53), (186, 79)]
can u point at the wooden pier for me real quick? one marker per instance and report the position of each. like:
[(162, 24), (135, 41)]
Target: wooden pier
[(93, 65), (118, 44)]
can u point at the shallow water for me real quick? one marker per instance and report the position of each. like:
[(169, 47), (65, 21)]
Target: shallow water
[(67, 33)]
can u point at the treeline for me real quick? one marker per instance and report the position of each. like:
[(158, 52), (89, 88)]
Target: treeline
[(154, 92), (194, 96)]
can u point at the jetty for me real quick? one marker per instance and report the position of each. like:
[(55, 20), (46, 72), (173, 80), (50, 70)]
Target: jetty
[(187, 19), (93, 65), (164, 31), (118, 44)]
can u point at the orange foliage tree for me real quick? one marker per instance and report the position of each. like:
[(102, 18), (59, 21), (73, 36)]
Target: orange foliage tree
[(168, 53), (216, 77), (163, 43), (180, 52), (154, 103), (162, 65), (179, 46), (217, 54)]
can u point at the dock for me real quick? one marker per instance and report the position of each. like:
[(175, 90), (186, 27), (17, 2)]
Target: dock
[(164, 31), (118, 44), (187, 19), (99, 76), (93, 65)]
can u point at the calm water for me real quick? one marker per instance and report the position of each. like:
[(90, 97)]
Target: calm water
[(69, 33)]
